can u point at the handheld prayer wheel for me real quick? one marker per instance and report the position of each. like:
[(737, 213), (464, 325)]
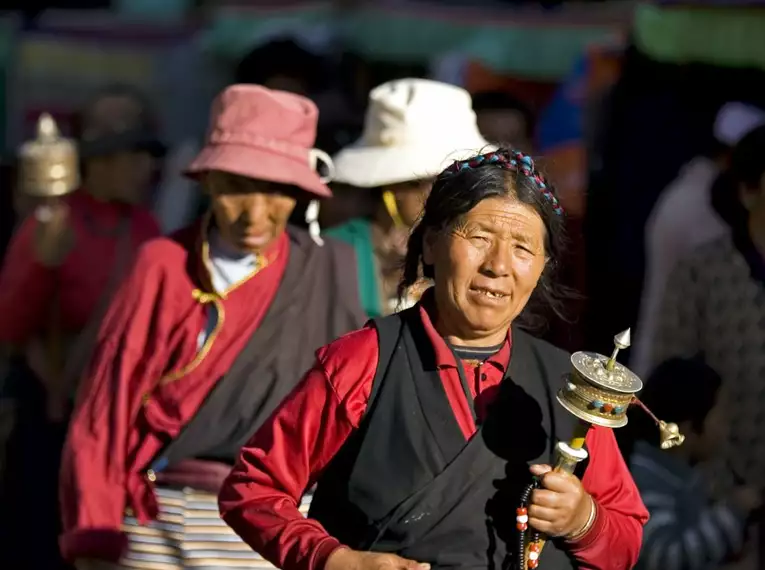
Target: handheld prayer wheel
[(599, 391), (48, 164)]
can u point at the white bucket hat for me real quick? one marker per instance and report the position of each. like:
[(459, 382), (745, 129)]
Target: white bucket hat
[(414, 128)]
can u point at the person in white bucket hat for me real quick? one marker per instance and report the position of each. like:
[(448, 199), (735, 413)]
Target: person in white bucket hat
[(413, 129)]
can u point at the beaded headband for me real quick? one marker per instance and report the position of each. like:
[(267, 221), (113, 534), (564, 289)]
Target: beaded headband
[(513, 161)]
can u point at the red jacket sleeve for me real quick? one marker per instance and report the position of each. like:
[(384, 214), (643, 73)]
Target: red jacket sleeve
[(613, 542), (260, 498), (26, 288), (94, 476)]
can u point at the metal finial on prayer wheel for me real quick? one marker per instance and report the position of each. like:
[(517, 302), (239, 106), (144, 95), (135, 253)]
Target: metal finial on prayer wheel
[(621, 341), (48, 164)]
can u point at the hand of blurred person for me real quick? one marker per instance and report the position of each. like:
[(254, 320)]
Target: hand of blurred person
[(747, 498), (54, 236)]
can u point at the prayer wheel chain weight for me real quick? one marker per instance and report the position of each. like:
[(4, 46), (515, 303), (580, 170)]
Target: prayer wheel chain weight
[(599, 391), (49, 164)]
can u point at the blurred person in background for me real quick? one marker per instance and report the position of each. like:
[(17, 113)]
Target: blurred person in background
[(505, 119), (688, 529), (714, 306), (412, 128), (684, 218), (284, 64), (62, 266), (213, 326)]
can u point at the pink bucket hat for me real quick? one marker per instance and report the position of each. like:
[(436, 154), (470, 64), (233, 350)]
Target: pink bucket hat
[(266, 135)]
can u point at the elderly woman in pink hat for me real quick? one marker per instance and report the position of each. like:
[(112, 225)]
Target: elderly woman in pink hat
[(210, 331)]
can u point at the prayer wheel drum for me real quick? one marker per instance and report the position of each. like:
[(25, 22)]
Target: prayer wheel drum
[(49, 164), (599, 390)]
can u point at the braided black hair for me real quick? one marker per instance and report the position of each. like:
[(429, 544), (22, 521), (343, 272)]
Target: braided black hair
[(455, 193)]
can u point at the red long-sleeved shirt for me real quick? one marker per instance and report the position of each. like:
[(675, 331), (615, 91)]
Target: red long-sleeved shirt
[(147, 379), (27, 287), (259, 499)]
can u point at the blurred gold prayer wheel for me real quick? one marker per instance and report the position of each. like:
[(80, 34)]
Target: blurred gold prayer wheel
[(48, 164)]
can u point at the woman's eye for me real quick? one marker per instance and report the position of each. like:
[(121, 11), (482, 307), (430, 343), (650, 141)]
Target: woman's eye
[(525, 249), (480, 238)]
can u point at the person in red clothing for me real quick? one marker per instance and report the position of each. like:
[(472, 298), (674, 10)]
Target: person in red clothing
[(59, 272), (213, 326), (422, 429)]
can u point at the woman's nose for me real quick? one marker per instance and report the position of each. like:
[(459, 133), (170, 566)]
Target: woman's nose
[(498, 260), (257, 208)]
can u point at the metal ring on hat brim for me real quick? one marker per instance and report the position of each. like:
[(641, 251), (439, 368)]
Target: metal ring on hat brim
[(314, 157)]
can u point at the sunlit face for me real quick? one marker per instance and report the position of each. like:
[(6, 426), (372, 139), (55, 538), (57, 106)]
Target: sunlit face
[(410, 198), (249, 214), (486, 266)]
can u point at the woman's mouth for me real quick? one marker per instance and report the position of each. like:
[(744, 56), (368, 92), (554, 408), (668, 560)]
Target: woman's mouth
[(255, 240), (489, 293)]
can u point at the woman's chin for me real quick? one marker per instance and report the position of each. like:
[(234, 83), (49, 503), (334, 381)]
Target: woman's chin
[(482, 322)]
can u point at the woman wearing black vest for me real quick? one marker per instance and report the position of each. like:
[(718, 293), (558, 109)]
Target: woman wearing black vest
[(423, 428)]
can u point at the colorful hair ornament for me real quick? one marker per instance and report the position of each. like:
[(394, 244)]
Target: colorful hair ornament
[(513, 161)]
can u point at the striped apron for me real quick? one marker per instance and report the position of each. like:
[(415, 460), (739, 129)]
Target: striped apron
[(189, 533)]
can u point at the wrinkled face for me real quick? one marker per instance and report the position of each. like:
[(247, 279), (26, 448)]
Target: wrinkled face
[(410, 198), (249, 214), (486, 265)]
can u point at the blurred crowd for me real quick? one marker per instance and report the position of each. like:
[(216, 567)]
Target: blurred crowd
[(332, 161)]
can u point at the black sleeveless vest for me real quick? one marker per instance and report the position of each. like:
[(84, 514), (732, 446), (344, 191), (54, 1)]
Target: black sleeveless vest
[(407, 482)]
